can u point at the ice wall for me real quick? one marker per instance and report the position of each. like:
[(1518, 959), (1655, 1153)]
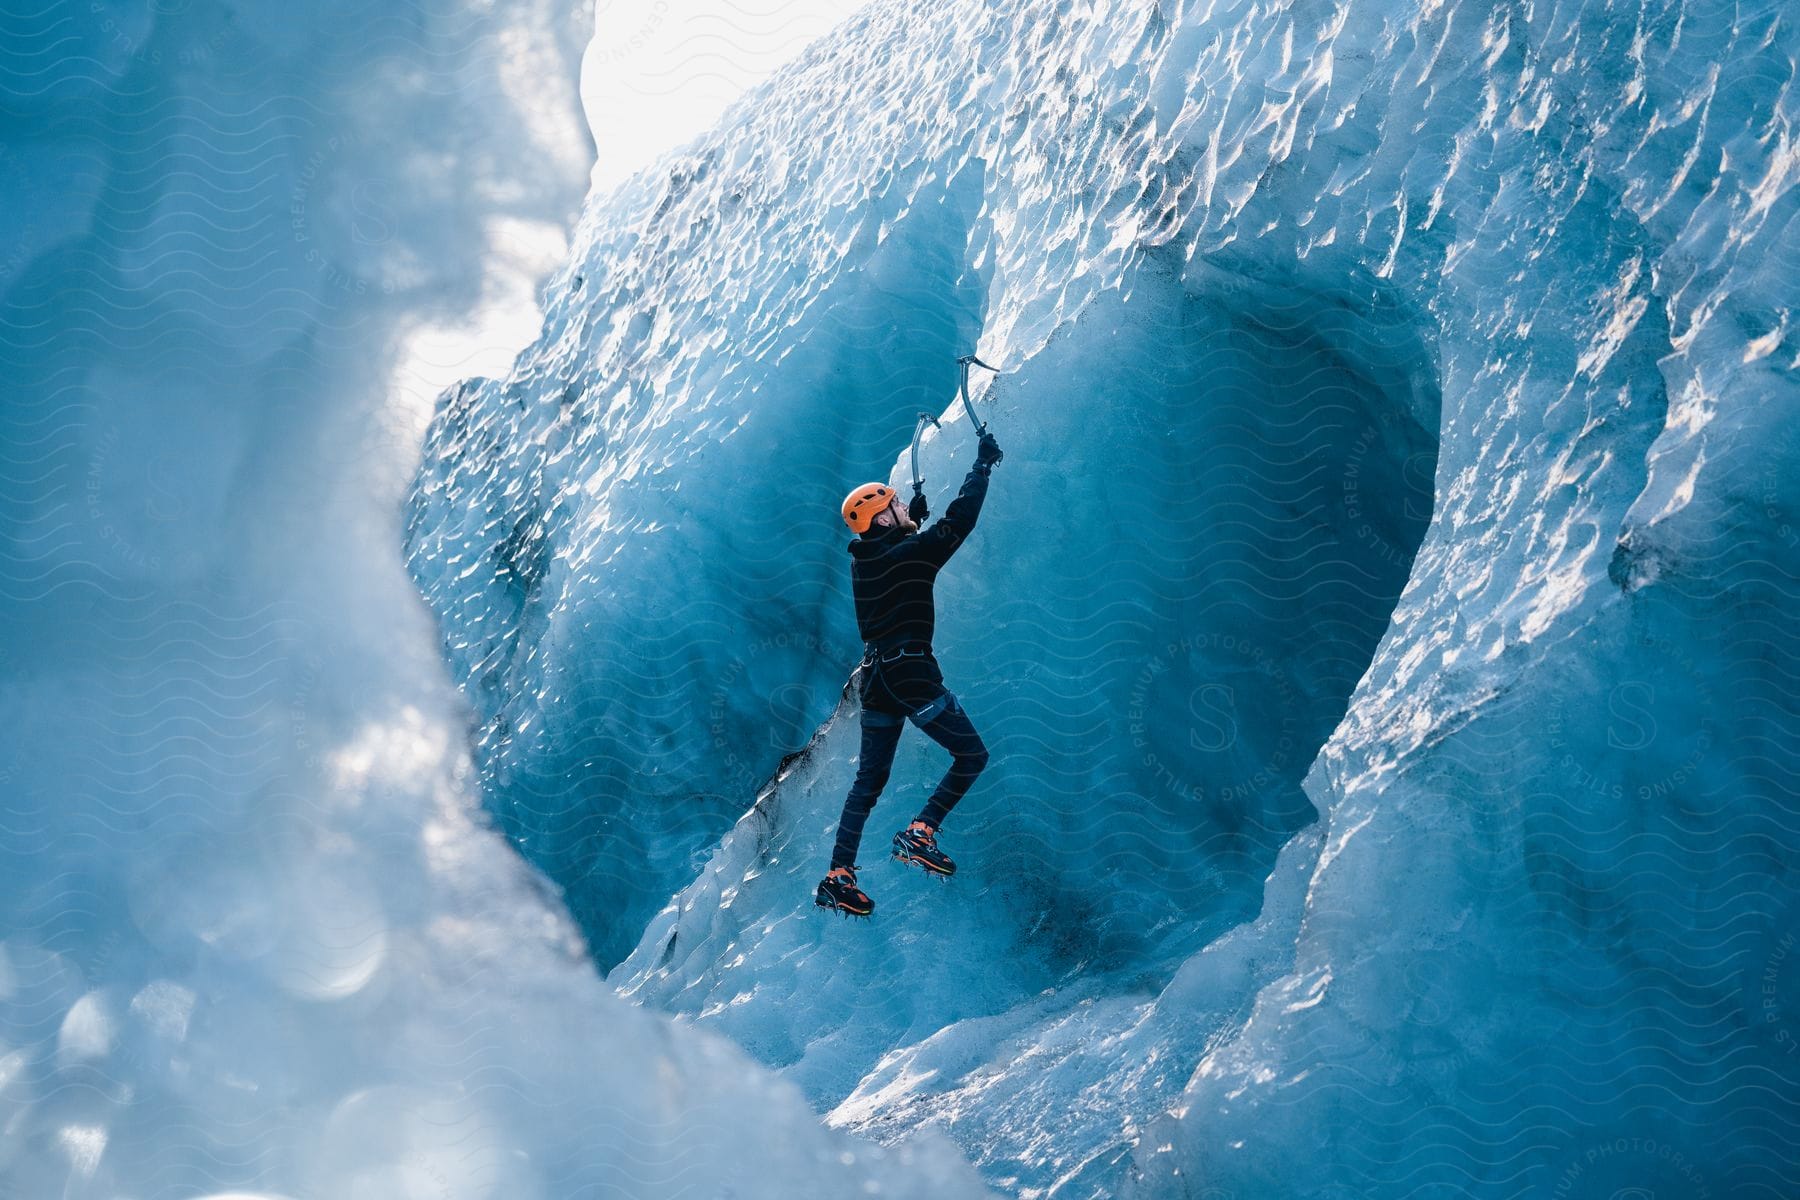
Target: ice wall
[(630, 542), (254, 938), (1544, 945), (1274, 285)]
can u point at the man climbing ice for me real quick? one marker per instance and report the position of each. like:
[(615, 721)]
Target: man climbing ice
[(893, 566)]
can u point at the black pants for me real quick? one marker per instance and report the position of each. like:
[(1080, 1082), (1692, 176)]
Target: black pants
[(892, 693)]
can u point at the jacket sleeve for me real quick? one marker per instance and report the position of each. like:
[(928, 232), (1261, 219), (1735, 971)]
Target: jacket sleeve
[(940, 541)]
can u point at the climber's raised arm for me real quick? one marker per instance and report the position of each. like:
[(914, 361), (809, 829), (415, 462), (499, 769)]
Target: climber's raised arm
[(940, 540)]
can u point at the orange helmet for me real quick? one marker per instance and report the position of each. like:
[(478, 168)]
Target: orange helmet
[(861, 505)]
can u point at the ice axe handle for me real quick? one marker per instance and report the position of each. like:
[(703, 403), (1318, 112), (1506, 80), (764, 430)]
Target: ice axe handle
[(965, 362), (925, 419)]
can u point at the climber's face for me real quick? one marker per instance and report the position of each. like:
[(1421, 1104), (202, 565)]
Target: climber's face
[(895, 516)]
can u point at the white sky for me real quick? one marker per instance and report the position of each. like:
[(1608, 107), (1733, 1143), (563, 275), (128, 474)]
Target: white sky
[(659, 72)]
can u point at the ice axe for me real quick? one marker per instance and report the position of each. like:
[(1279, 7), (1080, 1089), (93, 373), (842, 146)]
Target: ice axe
[(925, 419), (962, 390)]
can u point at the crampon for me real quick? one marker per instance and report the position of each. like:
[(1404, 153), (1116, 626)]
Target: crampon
[(917, 845), (838, 891)]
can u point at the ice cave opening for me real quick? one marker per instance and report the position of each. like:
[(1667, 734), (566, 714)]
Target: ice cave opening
[(1232, 489), (1217, 478)]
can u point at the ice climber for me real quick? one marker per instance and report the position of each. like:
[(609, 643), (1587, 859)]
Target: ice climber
[(893, 565)]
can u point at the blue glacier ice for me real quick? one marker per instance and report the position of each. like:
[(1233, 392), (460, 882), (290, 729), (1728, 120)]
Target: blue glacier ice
[(257, 940), (1382, 621)]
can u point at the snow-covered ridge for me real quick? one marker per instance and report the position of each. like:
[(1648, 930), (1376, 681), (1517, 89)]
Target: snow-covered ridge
[(1275, 288)]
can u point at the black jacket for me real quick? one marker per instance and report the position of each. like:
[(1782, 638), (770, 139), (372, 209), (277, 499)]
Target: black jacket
[(891, 576)]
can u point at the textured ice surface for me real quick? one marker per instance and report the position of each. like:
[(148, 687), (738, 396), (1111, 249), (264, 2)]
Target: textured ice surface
[(255, 943), (1276, 287)]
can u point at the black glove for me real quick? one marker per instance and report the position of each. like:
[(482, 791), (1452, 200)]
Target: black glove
[(987, 451), (917, 509)]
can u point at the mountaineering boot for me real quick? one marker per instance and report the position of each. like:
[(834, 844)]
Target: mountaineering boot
[(838, 890), (917, 844)]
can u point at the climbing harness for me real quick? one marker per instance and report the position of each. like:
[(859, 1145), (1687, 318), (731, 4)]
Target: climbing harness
[(874, 652)]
